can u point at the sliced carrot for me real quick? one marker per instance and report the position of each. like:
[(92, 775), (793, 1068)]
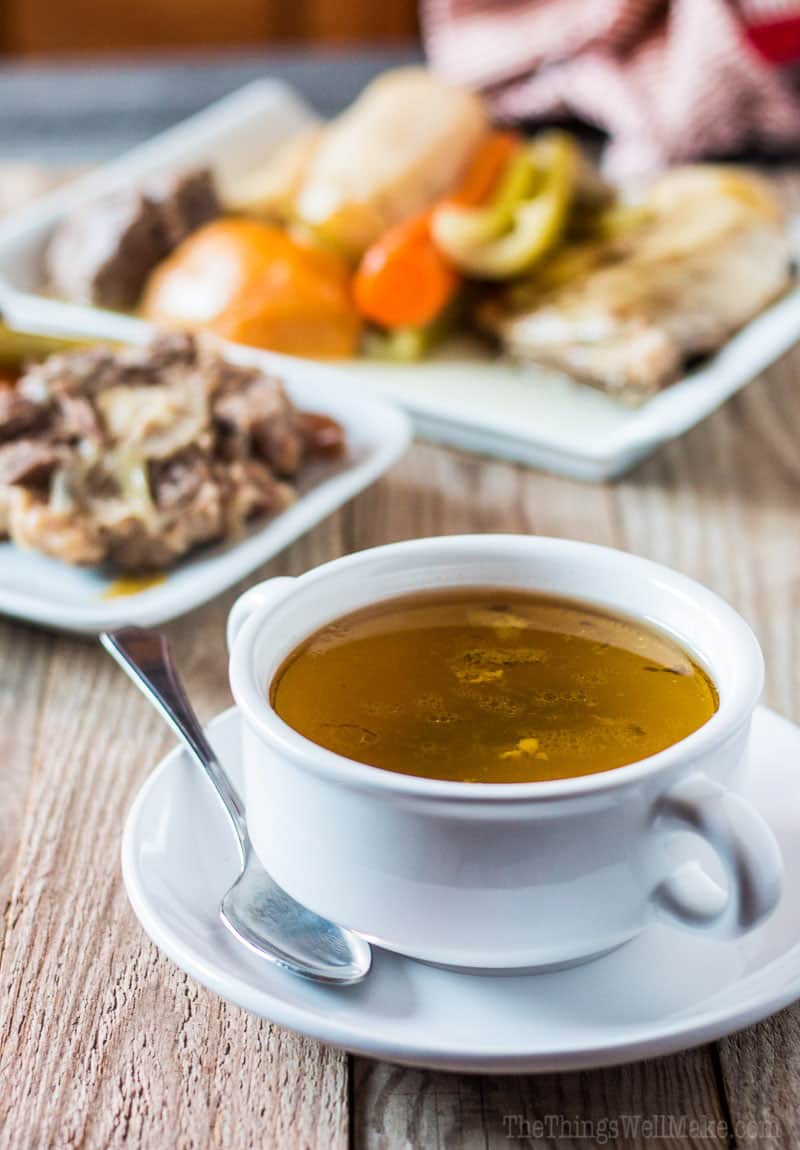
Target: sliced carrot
[(403, 279), (487, 165)]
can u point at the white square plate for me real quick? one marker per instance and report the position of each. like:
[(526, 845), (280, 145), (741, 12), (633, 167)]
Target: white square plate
[(462, 396), (43, 590)]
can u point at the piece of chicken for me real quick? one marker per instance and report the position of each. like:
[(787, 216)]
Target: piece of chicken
[(402, 144), (708, 254)]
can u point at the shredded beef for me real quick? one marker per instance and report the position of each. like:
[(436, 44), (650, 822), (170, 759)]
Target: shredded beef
[(18, 414), (138, 454), (28, 462)]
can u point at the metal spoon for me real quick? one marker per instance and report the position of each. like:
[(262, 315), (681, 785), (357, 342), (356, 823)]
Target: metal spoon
[(260, 914)]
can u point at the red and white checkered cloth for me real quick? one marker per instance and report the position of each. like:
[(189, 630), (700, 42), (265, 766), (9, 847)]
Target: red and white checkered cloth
[(669, 80)]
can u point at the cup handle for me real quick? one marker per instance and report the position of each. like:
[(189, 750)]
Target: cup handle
[(259, 596), (744, 844)]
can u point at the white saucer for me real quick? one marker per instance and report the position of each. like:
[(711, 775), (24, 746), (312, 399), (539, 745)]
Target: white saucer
[(662, 992)]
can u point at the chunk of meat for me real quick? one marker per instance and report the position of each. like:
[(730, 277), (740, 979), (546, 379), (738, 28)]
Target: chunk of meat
[(80, 373), (247, 398), (710, 256), (322, 436), (89, 372), (68, 535), (186, 202), (249, 488), (279, 442), (177, 480), (74, 420), (137, 545), (157, 421), (103, 252), (260, 413), (168, 352), (28, 462), (18, 414)]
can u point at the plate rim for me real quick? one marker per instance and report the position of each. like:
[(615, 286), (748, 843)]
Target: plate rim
[(708, 1027)]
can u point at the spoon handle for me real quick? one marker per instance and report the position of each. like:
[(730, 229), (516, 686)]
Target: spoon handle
[(146, 657)]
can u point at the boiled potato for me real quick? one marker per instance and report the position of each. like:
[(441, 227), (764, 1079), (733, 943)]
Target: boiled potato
[(250, 282), (402, 144)]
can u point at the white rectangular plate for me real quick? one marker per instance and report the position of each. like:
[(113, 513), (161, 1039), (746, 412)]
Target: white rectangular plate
[(462, 396), (45, 591)]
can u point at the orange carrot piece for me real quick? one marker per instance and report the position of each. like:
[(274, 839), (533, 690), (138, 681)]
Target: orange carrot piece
[(403, 279), (485, 170)]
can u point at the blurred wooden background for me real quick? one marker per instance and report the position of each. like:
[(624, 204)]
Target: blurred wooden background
[(64, 27)]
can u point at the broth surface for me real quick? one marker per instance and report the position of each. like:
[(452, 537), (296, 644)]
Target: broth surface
[(483, 685)]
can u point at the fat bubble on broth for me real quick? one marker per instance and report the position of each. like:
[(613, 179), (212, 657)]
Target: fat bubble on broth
[(483, 685)]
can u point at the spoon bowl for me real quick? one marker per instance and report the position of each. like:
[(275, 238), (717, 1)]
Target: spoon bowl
[(308, 945), (256, 910)]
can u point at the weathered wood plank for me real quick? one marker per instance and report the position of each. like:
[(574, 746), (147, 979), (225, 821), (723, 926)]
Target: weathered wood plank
[(638, 1105), (103, 1042), (24, 662)]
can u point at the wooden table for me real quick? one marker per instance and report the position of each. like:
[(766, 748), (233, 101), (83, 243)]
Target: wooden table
[(104, 1043)]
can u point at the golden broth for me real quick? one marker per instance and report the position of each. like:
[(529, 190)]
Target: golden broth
[(491, 686)]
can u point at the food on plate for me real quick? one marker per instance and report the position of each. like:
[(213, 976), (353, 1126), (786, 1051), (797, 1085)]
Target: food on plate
[(104, 251), (409, 219), (185, 201), (706, 253), (491, 686), (525, 218), (404, 143), (136, 455), (250, 282), (404, 280), (270, 191)]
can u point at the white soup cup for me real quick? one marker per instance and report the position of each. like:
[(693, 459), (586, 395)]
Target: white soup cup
[(507, 875)]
